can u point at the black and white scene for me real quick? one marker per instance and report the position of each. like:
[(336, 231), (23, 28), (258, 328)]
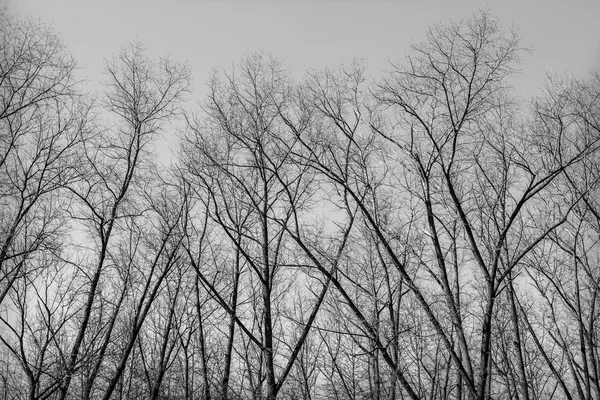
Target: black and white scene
[(299, 200)]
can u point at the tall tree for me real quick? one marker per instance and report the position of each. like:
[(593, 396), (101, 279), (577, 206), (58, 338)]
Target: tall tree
[(239, 159), (42, 123), (120, 205)]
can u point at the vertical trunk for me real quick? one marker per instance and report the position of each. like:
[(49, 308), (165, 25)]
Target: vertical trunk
[(462, 354), (231, 335), (130, 378), (593, 353), (268, 332), (486, 343), (89, 383), (376, 376), (165, 349), (517, 342), (148, 295), (266, 297), (582, 341), (203, 365), (186, 371), (32, 389), (84, 324), (373, 359), (450, 299), (104, 233)]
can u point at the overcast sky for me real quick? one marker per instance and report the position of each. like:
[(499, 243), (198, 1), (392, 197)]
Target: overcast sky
[(565, 35)]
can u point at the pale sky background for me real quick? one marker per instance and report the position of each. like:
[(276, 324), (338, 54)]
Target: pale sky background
[(565, 35)]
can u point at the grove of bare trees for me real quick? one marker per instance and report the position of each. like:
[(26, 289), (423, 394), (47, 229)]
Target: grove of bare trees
[(422, 234)]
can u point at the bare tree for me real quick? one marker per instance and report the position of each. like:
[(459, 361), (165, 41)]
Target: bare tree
[(464, 167), (344, 151), (240, 159), (334, 237), (43, 122), (41, 125), (564, 271), (473, 166), (115, 195)]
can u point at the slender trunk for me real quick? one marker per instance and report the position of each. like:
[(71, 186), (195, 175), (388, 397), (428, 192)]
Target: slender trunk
[(231, 333), (164, 355), (266, 297), (203, 365), (376, 376), (31, 395), (448, 295), (186, 370), (486, 343), (139, 319), (463, 353), (593, 353), (581, 326), (83, 327), (267, 322), (105, 235), (130, 380), (549, 363), (89, 383), (518, 344)]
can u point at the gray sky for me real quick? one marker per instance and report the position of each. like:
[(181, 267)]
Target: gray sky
[(565, 35), (311, 33)]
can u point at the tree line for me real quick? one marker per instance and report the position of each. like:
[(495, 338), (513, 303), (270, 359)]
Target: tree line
[(424, 234)]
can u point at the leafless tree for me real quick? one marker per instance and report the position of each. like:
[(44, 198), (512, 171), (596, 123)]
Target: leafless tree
[(564, 272), (424, 234), (458, 156), (43, 122), (120, 209), (239, 158), (41, 125)]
